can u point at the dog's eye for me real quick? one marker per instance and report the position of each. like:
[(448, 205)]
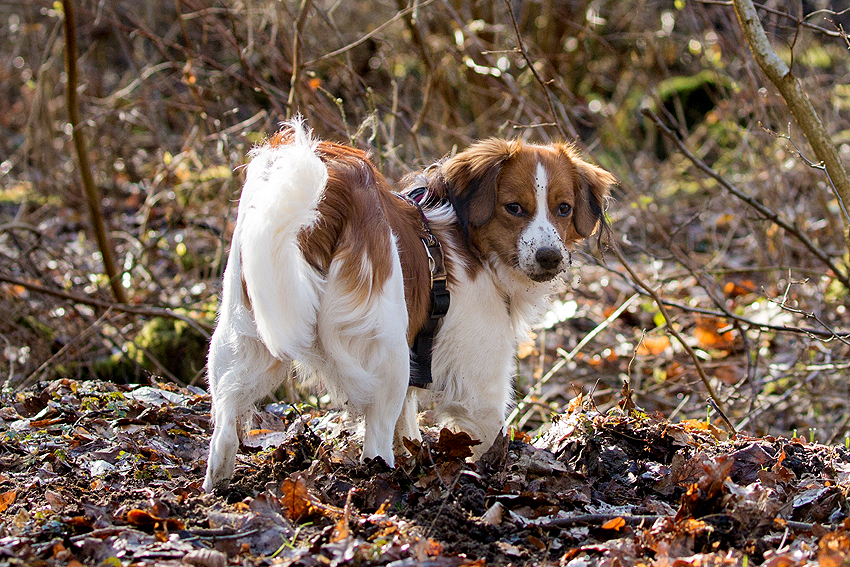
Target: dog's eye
[(514, 208), (564, 209)]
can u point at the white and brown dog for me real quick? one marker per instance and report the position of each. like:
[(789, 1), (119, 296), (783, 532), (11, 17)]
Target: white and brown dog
[(327, 268)]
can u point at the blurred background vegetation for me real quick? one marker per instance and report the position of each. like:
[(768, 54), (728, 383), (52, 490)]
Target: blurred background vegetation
[(175, 93)]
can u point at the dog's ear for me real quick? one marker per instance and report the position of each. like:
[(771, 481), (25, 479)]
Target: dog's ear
[(472, 176), (594, 185)]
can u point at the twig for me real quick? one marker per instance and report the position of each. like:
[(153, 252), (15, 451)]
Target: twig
[(303, 12), (833, 335), (697, 364), (764, 211), (797, 100), (74, 340), (722, 415), (799, 21), (597, 519), (369, 35), (751, 416), (566, 357), (537, 77), (124, 307), (813, 165), (91, 193)]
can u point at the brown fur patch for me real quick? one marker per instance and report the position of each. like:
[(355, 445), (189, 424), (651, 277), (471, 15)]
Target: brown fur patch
[(356, 214)]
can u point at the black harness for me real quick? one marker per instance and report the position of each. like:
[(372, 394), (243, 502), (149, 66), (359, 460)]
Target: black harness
[(420, 358)]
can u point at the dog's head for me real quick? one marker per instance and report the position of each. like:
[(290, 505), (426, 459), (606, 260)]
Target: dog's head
[(526, 204)]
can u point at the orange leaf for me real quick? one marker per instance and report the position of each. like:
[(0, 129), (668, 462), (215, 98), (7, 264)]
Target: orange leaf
[(141, 518), (653, 345), (708, 336), (341, 531), (432, 548), (614, 524), (733, 289), (834, 549), (7, 498)]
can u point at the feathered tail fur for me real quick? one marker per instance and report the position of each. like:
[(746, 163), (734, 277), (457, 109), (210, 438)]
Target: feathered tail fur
[(284, 185)]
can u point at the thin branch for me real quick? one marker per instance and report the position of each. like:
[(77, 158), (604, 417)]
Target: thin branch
[(813, 165), (797, 100), (537, 77), (764, 211), (303, 12), (91, 192), (670, 327), (797, 20), (369, 35), (124, 307), (598, 520), (832, 334)]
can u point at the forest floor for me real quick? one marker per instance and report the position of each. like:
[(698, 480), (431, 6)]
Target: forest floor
[(98, 474)]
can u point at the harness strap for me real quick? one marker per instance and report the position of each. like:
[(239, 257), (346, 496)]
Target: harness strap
[(421, 351)]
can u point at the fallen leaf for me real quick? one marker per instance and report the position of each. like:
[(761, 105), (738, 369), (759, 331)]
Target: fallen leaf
[(651, 346), (7, 498), (493, 515), (453, 445), (614, 524), (834, 549), (295, 499), (205, 558)]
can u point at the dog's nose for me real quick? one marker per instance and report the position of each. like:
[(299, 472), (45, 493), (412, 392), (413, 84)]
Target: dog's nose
[(548, 258)]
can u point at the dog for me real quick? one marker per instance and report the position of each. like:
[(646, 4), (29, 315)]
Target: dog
[(327, 273)]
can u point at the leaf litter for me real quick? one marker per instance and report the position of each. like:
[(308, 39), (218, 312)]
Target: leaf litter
[(95, 473)]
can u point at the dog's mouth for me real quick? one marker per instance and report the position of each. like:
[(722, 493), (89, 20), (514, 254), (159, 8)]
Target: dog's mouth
[(545, 275)]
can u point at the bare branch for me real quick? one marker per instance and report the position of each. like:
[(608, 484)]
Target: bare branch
[(797, 100), (764, 211), (660, 303)]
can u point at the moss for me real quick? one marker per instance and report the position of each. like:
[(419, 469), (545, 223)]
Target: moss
[(171, 343)]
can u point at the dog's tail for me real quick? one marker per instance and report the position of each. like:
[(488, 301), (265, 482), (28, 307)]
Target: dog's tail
[(285, 181)]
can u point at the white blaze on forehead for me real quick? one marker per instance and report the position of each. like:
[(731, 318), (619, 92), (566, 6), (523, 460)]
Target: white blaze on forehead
[(540, 232), (541, 186), (541, 228)]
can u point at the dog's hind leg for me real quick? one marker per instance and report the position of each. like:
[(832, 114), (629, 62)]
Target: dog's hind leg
[(250, 373), (362, 331), (382, 413)]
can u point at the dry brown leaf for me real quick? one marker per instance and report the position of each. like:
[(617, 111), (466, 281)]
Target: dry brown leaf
[(295, 499), (493, 515), (455, 445), (206, 558)]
